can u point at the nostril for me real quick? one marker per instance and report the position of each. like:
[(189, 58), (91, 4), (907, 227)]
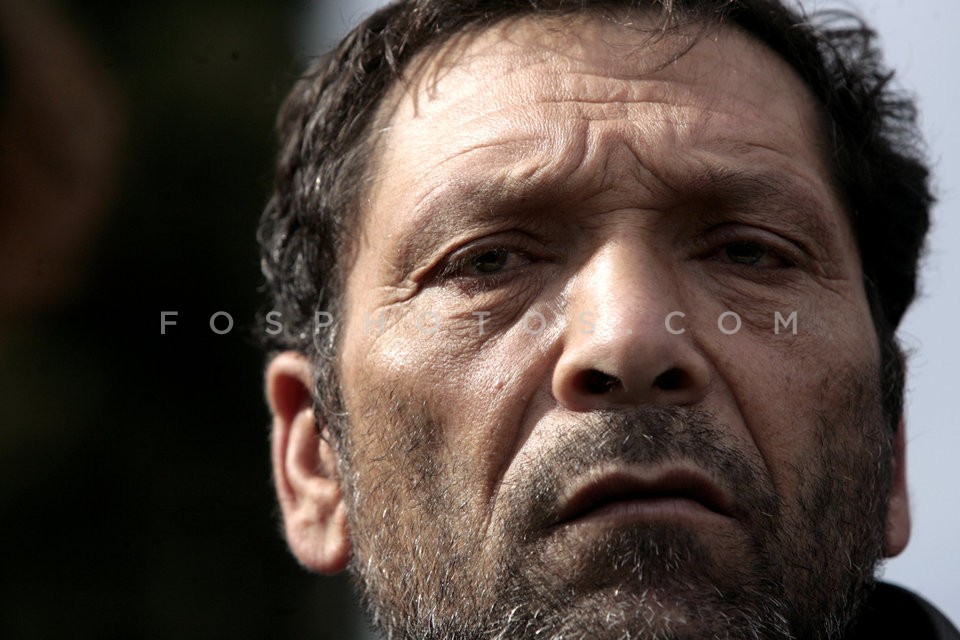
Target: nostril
[(599, 382), (670, 379)]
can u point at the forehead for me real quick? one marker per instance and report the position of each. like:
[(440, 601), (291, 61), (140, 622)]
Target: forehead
[(541, 58), (532, 94)]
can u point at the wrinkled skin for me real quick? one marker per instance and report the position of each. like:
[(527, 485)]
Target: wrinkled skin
[(574, 191)]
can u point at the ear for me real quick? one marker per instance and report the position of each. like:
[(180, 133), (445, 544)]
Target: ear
[(898, 509), (305, 469)]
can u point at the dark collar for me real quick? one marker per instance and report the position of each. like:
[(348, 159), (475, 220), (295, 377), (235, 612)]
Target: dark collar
[(894, 612)]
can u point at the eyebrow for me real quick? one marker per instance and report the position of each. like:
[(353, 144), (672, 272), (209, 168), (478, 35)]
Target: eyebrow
[(733, 186), (460, 205), (463, 204)]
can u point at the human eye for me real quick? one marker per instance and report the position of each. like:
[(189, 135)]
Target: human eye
[(750, 253), (483, 265), (482, 262), (508, 263), (750, 248)]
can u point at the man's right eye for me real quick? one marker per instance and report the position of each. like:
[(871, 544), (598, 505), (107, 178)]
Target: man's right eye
[(489, 261), (482, 263)]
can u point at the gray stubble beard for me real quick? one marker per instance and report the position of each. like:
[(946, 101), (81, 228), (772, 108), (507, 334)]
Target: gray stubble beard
[(425, 572)]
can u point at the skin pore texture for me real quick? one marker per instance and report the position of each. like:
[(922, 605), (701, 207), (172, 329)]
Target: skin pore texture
[(529, 452)]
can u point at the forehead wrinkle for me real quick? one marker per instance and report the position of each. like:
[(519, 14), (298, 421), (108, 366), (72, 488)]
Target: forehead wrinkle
[(566, 39), (603, 100), (514, 136), (472, 55), (482, 44)]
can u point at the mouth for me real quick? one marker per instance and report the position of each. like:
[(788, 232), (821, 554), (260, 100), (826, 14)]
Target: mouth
[(634, 495)]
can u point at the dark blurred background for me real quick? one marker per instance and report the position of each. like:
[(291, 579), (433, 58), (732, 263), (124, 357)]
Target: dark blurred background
[(136, 145)]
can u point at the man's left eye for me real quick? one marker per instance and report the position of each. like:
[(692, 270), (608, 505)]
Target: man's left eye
[(749, 253)]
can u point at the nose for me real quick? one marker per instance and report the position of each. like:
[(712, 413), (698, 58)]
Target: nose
[(617, 349)]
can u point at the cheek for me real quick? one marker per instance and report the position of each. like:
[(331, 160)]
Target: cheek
[(435, 383), (796, 394)]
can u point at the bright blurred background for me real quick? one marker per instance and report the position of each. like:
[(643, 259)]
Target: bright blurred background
[(135, 155), (920, 42)]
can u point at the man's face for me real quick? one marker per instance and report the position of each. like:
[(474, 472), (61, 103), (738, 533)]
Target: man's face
[(533, 447)]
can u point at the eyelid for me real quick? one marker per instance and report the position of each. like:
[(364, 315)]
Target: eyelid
[(454, 265), (726, 234), (515, 243)]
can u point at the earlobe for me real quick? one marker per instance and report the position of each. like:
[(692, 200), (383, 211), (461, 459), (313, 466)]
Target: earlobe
[(898, 508), (305, 469)]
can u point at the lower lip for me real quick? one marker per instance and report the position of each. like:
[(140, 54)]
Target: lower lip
[(646, 509)]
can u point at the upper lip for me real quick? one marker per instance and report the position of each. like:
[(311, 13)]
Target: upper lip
[(598, 489)]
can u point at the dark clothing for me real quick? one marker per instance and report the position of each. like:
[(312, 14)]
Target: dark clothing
[(893, 612)]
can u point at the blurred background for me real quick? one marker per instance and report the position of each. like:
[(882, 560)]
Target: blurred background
[(136, 142), (136, 147)]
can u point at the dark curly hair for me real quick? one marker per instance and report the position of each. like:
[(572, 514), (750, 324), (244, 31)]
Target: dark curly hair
[(326, 142)]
